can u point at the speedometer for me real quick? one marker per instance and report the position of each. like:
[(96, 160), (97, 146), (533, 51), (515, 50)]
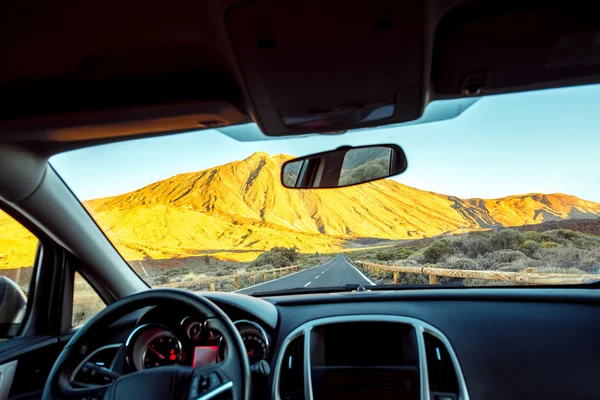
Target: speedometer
[(162, 350), (256, 347), (153, 345)]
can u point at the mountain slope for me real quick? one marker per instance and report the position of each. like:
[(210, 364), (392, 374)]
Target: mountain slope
[(17, 245), (241, 206)]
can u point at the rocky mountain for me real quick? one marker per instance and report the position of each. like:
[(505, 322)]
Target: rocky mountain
[(17, 245), (240, 208)]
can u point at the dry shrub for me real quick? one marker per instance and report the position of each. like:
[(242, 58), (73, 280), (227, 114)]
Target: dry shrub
[(455, 262), (507, 256), (570, 257)]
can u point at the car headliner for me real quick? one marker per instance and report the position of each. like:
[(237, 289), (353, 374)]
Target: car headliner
[(79, 74)]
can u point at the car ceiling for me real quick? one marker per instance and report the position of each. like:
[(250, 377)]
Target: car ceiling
[(77, 73)]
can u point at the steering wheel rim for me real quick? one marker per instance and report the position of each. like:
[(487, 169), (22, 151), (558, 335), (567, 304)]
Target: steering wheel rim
[(235, 366)]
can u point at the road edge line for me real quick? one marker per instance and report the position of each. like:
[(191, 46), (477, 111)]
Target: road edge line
[(357, 270)]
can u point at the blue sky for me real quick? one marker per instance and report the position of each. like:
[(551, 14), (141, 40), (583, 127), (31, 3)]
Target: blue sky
[(546, 141)]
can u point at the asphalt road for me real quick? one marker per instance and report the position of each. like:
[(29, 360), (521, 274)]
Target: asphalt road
[(336, 272)]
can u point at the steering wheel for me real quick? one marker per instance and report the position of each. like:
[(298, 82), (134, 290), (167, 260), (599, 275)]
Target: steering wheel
[(171, 382)]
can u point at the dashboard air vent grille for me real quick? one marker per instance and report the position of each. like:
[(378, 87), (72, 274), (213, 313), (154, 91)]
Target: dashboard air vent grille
[(291, 384), (440, 369)]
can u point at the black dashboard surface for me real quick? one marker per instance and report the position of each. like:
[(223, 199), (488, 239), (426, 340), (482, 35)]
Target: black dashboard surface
[(511, 344)]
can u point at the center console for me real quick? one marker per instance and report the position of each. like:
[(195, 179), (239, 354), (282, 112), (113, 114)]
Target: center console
[(362, 357), (354, 360)]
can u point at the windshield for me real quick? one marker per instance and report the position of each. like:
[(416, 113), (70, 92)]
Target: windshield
[(507, 193)]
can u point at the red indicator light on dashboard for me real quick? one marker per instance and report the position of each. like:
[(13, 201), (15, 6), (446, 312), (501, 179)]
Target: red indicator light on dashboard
[(172, 357)]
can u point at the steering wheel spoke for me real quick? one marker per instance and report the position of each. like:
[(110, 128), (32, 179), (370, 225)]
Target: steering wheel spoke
[(88, 393), (208, 383)]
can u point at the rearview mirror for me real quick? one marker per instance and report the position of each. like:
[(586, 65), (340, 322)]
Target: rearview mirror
[(343, 167)]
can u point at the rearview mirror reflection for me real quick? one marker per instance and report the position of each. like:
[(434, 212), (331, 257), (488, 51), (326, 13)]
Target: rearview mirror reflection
[(343, 167)]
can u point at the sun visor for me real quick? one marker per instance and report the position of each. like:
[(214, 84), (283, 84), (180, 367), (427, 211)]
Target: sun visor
[(313, 66), (497, 47)]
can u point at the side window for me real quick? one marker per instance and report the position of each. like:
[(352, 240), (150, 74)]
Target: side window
[(18, 249), (86, 302)]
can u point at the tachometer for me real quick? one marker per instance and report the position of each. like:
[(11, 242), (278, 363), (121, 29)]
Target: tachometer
[(255, 339), (256, 347), (162, 350)]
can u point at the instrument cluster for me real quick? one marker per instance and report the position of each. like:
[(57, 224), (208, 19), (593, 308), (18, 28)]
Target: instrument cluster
[(190, 341)]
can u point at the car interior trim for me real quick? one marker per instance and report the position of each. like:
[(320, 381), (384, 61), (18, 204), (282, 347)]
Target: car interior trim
[(420, 326), (7, 374), (263, 310)]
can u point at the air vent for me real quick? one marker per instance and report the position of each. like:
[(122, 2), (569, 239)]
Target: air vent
[(291, 382), (440, 369)]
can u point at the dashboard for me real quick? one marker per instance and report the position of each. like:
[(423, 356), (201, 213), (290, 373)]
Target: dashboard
[(441, 344)]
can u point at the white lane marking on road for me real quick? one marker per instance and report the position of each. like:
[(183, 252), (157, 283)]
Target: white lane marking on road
[(307, 284), (276, 279), (317, 277), (361, 274)]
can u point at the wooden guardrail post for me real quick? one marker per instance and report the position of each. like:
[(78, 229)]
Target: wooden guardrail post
[(264, 276), (253, 279), (396, 273), (432, 278), (212, 286), (236, 282)]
